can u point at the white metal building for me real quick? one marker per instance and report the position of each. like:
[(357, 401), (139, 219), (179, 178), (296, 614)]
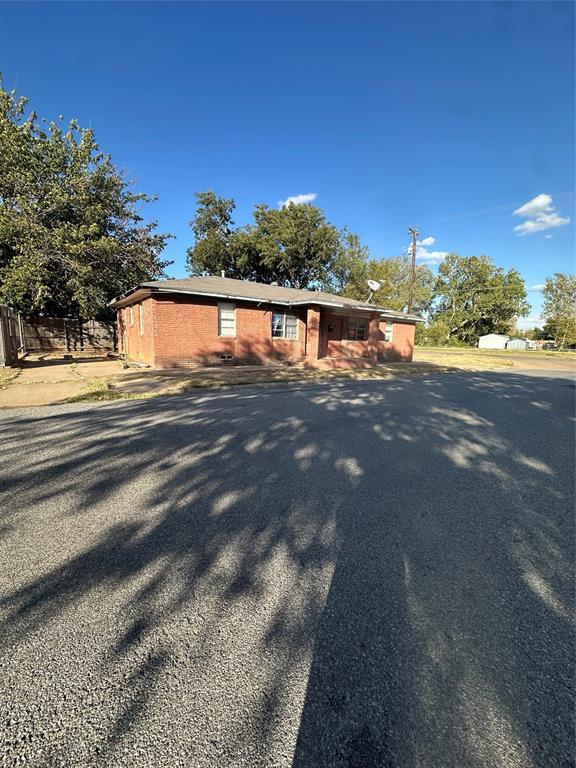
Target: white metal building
[(493, 341), (517, 344)]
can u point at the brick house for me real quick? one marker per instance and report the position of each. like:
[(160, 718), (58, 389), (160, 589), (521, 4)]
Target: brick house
[(211, 320)]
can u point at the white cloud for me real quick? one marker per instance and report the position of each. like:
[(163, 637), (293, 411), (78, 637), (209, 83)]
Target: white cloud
[(537, 287), (308, 197), (539, 204), (423, 252), (548, 237), (540, 213)]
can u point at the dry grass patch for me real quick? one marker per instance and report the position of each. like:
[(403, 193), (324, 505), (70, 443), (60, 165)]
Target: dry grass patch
[(467, 359), (7, 375)]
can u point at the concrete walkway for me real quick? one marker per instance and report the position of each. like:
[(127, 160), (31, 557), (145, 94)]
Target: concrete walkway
[(45, 381)]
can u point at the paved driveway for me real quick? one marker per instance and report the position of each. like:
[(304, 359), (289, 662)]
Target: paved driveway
[(360, 574)]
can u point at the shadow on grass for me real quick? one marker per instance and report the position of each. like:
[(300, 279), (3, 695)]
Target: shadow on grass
[(358, 574)]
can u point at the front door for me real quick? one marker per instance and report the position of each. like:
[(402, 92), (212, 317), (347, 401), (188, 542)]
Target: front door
[(334, 335)]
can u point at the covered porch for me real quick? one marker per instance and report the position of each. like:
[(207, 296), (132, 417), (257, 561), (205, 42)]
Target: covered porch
[(343, 337)]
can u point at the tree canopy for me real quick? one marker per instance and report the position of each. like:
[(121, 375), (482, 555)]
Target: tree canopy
[(559, 308), (296, 246), (393, 274), (474, 297), (71, 233), (293, 246)]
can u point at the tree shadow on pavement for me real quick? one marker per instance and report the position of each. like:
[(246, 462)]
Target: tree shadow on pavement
[(355, 574)]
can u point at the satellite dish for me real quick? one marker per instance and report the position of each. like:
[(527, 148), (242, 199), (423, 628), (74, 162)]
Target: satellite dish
[(373, 285)]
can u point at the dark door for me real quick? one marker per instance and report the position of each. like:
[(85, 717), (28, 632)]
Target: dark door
[(334, 335)]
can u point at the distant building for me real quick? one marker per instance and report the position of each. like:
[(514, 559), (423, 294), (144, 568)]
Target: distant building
[(517, 344), (493, 341)]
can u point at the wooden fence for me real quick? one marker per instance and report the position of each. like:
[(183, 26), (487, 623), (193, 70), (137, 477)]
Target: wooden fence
[(55, 334), (9, 336)]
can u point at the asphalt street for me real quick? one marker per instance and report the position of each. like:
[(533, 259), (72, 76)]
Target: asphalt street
[(358, 574)]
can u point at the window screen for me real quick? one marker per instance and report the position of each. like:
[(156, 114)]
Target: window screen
[(226, 320)]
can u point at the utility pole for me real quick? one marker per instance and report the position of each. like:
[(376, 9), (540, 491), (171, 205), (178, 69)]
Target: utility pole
[(414, 232)]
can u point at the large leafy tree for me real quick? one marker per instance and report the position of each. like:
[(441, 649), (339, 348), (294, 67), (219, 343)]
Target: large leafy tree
[(474, 297), (296, 245), (213, 228), (349, 268), (293, 246), (71, 234), (560, 308)]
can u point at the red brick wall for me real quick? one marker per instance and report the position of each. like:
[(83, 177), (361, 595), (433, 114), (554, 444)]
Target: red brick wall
[(183, 331), (131, 341), (401, 347), (186, 334), (312, 348)]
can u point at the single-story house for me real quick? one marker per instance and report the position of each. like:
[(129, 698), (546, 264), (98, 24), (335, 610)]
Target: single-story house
[(493, 341), (211, 320)]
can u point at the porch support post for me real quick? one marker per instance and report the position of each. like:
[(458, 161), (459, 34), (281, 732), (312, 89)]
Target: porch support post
[(373, 336), (312, 334)]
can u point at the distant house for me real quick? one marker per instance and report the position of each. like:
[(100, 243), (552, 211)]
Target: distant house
[(212, 320), (493, 341)]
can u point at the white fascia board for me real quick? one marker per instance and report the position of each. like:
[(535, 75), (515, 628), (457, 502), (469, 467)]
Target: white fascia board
[(228, 297)]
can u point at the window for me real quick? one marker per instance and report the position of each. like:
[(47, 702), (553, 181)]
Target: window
[(284, 326), (356, 329), (226, 319), (131, 315), (141, 318), (388, 332)]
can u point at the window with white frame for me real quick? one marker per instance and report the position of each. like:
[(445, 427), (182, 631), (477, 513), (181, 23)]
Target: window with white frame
[(226, 319), (356, 329), (141, 318), (131, 315), (284, 325), (388, 332)]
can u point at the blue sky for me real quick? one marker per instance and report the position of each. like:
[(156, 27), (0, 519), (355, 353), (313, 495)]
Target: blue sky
[(449, 116)]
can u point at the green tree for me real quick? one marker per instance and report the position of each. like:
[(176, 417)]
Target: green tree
[(297, 247), (349, 268), (560, 308), (474, 297), (293, 246), (71, 235), (394, 277), (213, 228)]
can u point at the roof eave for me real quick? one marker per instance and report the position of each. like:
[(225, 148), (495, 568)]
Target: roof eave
[(144, 291)]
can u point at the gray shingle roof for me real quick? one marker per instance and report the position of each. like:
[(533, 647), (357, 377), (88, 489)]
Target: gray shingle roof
[(227, 287)]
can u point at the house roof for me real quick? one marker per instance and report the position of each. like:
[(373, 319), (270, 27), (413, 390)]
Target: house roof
[(494, 336), (243, 290)]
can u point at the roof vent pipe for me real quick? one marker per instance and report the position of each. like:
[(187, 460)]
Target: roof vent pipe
[(222, 273)]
